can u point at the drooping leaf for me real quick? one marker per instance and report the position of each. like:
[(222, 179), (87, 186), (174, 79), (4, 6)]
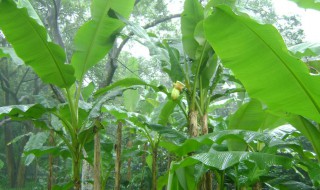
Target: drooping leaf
[(305, 49), (19, 112), (308, 4), (310, 131), (34, 142), (32, 13), (294, 185), (223, 160), (192, 14), (29, 41), (118, 113), (9, 52), (125, 83), (168, 133), (258, 57), (96, 37)]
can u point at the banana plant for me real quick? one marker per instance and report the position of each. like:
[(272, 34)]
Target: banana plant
[(92, 42), (271, 74)]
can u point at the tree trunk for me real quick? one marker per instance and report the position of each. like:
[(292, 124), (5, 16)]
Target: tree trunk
[(143, 163), (118, 157), (76, 167), (206, 183), (97, 157), (257, 186), (10, 160), (50, 176), (21, 174), (86, 174), (154, 167), (193, 123), (129, 146)]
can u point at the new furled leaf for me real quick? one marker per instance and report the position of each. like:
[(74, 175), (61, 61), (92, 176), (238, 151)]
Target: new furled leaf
[(258, 57), (192, 14), (29, 41)]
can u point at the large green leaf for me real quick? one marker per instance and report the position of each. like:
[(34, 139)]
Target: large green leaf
[(192, 14), (23, 111), (258, 57), (251, 116), (125, 83), (34, 142), (96, 37), (223, 160), (308, 4), (29, 41)]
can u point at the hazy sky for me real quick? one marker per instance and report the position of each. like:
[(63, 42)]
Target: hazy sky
[(310, 19)]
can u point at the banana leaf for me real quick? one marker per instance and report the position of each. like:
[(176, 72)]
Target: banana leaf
[(305, 49), (20, 112), (259, 58), (192, 14), (223, 160), (96, 37), (308, 4), (29, 40)]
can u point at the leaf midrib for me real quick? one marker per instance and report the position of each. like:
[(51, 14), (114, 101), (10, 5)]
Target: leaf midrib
[(90, 50), (44, 41)]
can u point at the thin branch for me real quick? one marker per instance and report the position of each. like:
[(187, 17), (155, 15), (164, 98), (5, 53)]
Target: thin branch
[(22, 79), (230, 91), (127, 68), (2, 122), (161, 20), (57, 94)]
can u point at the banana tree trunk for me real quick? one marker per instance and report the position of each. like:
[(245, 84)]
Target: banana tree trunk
[(76, 167), (50, 176), (206, 183), (129, 146), (154, 166), (143, 163), (257, 186), (118, 157), (193, 123), (97, 158)]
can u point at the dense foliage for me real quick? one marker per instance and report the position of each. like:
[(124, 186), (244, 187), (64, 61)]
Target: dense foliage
[(220, 103)]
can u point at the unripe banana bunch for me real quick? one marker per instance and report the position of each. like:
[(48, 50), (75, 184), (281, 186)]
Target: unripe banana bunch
[(177, 88)]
